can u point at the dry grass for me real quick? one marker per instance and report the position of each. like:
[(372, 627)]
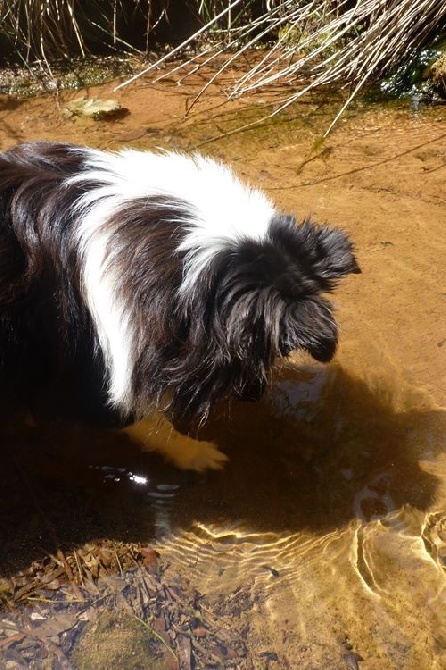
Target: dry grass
[(299, 44), (46, 30), (312, 43)]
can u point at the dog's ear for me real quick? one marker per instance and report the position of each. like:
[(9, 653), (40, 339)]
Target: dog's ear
[(334, 250), (319, 253)]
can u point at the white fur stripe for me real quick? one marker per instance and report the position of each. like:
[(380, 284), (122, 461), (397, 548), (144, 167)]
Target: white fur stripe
[(101, 287)]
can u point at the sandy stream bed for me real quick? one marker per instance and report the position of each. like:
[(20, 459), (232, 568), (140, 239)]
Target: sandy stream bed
[(322, 543)]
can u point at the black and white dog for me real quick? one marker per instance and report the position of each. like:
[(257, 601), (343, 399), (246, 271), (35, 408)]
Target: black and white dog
[(134, 280)]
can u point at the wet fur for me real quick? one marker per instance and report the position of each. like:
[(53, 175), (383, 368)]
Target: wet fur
[(116, 299)]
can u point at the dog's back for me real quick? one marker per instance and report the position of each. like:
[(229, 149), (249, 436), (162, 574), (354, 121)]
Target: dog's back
[(29, 175), (42, 360)]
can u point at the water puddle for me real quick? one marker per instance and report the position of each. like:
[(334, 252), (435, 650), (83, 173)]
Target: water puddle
[(321, 543)]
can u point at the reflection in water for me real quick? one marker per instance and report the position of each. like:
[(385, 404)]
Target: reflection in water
[(327, 516)]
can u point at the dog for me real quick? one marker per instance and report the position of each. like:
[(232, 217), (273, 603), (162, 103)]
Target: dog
[(135, 281)]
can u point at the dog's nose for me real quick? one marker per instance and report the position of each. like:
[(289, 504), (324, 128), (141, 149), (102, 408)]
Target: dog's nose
[(251, 391), (324, 350)]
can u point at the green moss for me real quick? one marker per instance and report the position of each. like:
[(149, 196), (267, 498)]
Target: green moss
[(73, 75)]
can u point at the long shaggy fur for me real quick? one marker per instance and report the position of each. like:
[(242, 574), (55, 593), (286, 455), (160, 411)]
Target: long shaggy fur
[(136, 280)]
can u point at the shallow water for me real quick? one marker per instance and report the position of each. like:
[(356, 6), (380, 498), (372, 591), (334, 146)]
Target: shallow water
[(322, 540)]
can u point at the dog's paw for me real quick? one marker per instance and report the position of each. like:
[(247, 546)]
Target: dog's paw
[(199, 456), (181, 450)]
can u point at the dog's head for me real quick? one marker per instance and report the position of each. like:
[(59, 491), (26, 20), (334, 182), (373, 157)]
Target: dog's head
[(255, 303)]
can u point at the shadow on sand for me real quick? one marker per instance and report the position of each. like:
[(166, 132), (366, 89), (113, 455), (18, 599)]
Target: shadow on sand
[(322, 448)]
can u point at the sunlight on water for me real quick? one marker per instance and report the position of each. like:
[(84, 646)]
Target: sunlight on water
[(330, 520)]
